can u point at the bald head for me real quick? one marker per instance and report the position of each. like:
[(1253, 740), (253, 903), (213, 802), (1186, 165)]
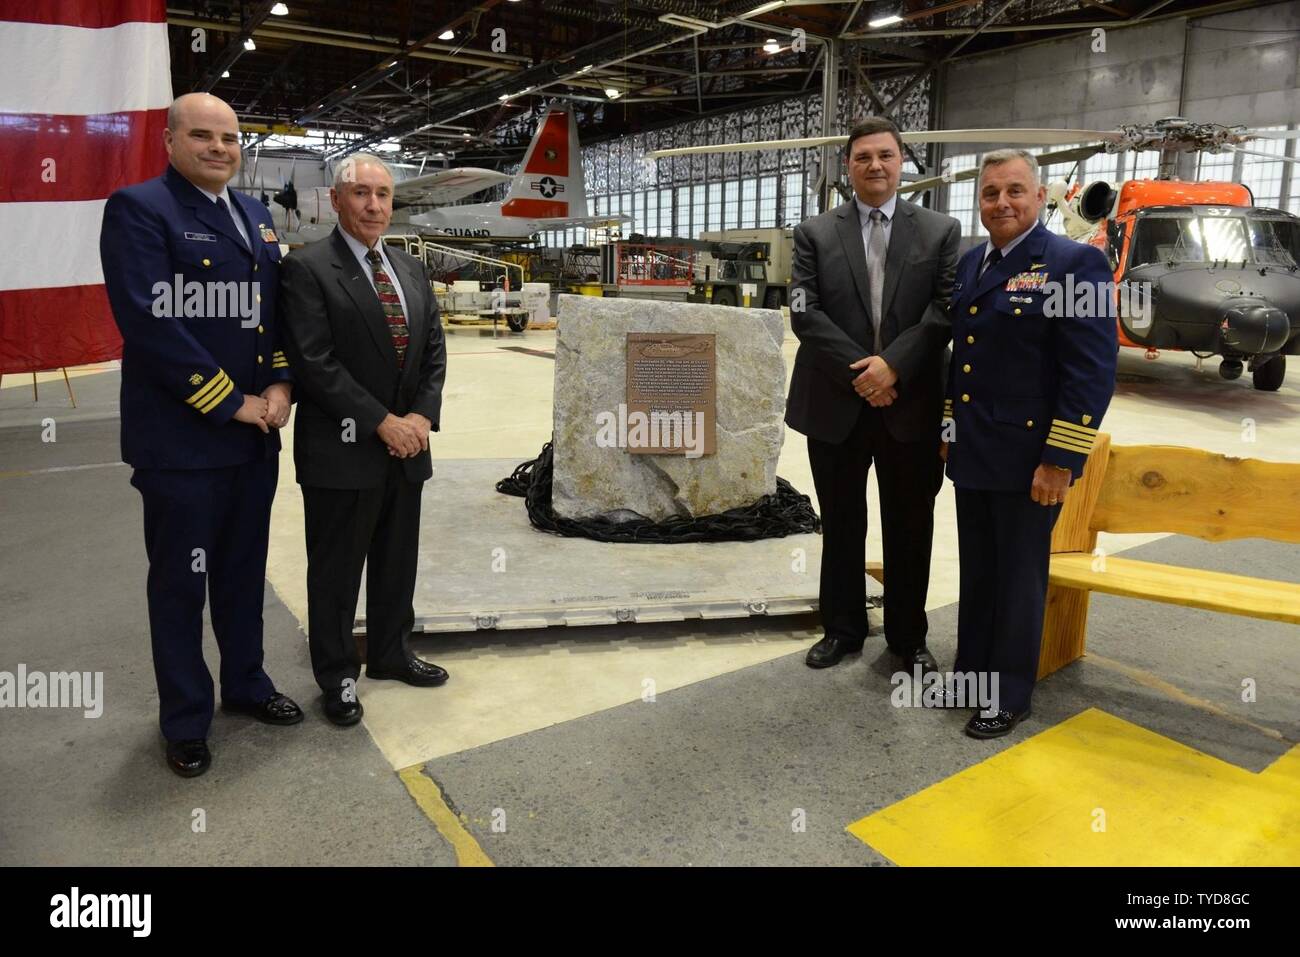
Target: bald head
[(202, 140)]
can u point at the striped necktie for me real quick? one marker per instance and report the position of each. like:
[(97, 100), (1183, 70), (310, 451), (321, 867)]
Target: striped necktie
[(392, 304)]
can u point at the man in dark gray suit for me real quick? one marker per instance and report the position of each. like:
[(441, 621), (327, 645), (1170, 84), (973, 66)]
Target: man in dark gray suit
[(367, 351), (872, 282)]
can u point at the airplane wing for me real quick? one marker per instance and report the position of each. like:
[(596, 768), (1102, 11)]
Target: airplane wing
[(444, 186), (1001, 137), (589, 221)]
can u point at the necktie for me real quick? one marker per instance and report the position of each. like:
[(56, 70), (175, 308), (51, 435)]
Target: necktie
[(994, 258), (876, 270), (388, 298), (221, 202)]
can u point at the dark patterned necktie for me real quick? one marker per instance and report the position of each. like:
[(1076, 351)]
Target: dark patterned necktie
[(995, 257), (392, 304), (221, 203)]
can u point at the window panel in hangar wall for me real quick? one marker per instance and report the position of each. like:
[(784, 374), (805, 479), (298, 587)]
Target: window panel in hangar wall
[(620, 166)]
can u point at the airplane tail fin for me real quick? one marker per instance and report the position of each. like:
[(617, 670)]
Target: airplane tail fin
[(550, 183)]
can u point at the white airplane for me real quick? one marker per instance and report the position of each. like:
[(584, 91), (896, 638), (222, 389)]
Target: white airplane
[(306, 216), (548, 192)]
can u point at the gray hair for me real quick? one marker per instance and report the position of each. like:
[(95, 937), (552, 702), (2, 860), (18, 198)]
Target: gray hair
[(998, 157), (346, 171)]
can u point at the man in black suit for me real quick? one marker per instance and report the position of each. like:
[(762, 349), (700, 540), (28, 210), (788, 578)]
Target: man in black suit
[(872, 282), (367, 350)]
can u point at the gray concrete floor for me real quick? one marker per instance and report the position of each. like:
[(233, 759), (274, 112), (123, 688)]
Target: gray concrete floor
[(77, 790), (711, 774), (708, 773)]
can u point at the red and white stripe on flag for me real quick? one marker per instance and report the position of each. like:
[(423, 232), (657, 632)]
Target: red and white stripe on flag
[(84, 90)]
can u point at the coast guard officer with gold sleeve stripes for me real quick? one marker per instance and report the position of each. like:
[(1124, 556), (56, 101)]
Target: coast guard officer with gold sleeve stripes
[(191, 269), (1033, 370)]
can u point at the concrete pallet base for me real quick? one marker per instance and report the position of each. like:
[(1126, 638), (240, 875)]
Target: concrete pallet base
[(468, 529)]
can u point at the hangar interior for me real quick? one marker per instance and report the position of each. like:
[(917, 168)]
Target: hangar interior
[(705, 740)]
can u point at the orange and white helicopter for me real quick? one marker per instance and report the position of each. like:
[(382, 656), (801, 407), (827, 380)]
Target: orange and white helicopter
[(1198, 266)]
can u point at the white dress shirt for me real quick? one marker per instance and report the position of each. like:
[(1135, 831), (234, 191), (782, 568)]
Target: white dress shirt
[(1006, 250), (359, 249), (886, 208)]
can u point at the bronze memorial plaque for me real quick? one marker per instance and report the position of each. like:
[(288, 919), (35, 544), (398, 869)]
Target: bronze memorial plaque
[(671, 394)]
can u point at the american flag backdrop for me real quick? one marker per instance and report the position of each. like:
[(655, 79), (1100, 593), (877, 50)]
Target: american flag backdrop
[(84, 89)]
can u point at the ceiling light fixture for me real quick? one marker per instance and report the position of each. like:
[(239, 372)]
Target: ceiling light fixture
[(447, 35), (771, 46), (249, 44), (885, 21), (612, 93), (279, 10)]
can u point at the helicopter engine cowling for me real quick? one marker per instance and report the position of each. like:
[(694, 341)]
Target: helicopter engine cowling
[(1252, 325), (1096, 201)]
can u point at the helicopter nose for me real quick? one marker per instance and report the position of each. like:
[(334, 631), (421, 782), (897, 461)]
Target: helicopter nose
[(1253, 326)]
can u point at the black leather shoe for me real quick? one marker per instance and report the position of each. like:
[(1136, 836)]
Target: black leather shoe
[(342, 712), (918, 656), (277, 709), (830, 650), (189, 758), (996, 726), (416, 672)]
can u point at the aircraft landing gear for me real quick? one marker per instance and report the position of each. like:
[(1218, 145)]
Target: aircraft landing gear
[(1268, 375), (1230, 369)]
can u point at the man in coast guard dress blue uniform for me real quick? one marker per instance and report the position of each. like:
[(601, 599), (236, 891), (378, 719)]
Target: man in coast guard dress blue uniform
[(192, 270), (1030, 380)]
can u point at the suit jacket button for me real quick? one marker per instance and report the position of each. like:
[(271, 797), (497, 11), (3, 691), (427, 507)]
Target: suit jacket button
[(974, 309), (259, 299), (966, 368), (207, 262), (965, 397), (1029, 424), (254, 267), (970, 340), (259, 360), (1016, 311), (260, 330)]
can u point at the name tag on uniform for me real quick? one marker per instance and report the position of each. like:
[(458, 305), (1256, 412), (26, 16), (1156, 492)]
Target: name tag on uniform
[(202, 237), (1025, 299), (1027, 282), (268, 234)]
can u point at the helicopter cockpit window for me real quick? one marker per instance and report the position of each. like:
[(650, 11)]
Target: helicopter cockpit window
[(1193, 237), (1276, 241)]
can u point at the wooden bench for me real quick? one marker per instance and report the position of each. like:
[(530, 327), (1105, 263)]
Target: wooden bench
[(1166, 488)]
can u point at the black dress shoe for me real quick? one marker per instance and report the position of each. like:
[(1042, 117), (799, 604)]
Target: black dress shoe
[(830, 650), (416, 672), (340, 711), (277, 709), (189, 758), (918, 656), (996, 726)]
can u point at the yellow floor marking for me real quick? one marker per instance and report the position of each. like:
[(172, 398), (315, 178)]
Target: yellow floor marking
[(1097, 790), (1156, 683), (429, 799)]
